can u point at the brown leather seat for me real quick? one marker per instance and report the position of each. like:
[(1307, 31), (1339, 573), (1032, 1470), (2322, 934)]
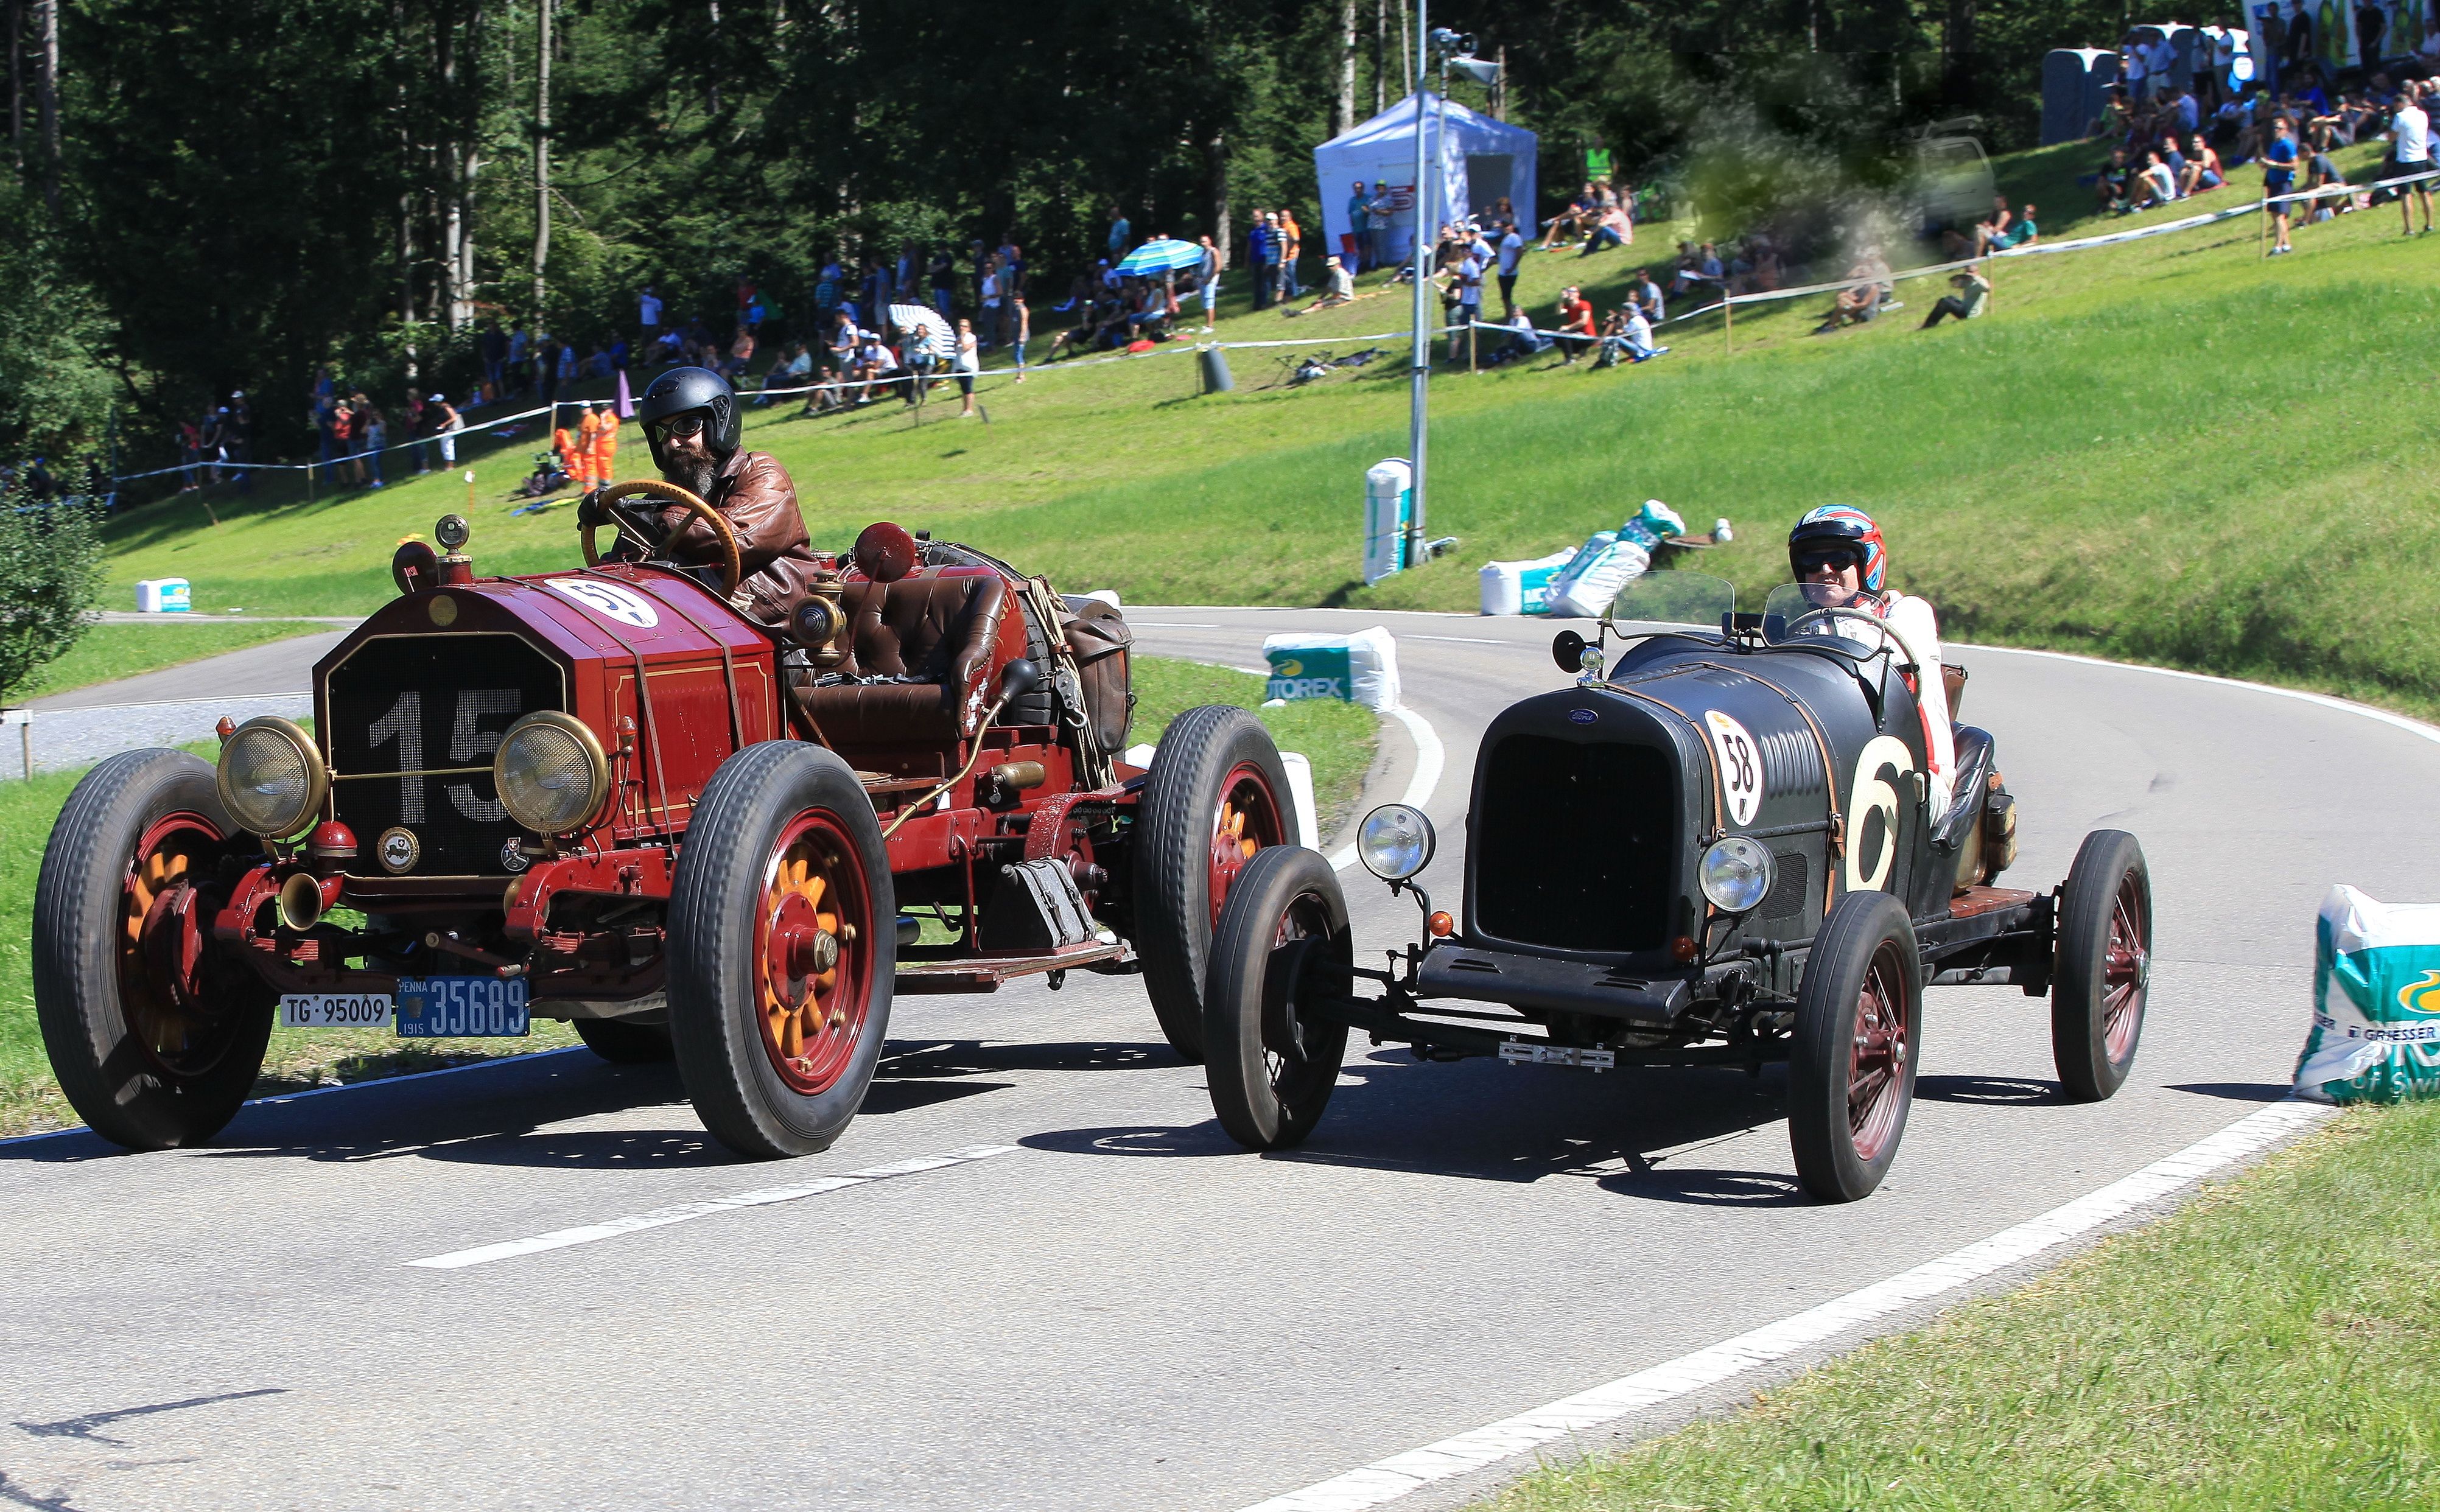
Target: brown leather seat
[(940, 630)]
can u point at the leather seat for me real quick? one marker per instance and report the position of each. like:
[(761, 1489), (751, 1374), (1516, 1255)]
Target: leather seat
[(937, 629)]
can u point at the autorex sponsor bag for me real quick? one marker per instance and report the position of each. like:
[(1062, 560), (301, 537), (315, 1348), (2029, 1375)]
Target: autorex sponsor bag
[(1362, 668), (1610, 561), (2376, 1035), (1522, 587)]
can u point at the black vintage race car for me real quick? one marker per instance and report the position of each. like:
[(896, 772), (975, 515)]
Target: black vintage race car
[(1719, 848)]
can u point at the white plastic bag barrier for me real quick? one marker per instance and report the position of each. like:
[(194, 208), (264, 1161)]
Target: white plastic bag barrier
[(1140, 756), (1362, 668), (1389, 494), (1300, 793), (1611, 560), (1110, 597), (2376, 1035), (1522, 587), (163, 595)]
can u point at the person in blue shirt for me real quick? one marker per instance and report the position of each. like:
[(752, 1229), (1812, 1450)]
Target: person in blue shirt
[(1353, 246), (1258, 253), (2279, 177)]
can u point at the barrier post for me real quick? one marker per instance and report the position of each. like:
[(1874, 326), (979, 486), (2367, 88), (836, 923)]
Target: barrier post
[(1728, 322), (2262, 229)]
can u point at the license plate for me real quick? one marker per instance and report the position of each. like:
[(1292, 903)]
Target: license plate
[(334, 1010), (430, 1007)]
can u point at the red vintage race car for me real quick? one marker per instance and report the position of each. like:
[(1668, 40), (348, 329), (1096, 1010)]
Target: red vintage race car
[(610, 795)]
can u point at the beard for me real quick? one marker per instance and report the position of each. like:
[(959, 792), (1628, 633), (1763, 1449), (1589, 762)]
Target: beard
[(694, 475)]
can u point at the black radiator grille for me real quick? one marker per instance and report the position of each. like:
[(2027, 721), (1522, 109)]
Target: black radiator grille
[(401, 705), (1786, 900), (1574, 845)]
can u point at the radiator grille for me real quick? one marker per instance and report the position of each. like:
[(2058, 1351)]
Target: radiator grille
[(1574, 845), (403, 709), (1793, 870)]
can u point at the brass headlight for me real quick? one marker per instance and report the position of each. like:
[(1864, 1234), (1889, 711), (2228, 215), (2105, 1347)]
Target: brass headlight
[(270, 777), (550, 773)]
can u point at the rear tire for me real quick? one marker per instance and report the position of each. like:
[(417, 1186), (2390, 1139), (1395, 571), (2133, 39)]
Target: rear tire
[(155, 1030), (1215, 765), (2105, 966), (1282, 940), (780, 971), (1858, 1028), (625, 1043)]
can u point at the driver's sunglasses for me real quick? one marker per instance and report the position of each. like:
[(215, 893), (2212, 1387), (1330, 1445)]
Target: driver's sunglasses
[(1838, 559), (683, 428)]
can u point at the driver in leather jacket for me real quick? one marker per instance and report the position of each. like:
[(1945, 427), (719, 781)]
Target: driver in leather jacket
[(690, 420), (1836, 552)]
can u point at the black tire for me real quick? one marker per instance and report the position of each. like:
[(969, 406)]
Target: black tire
[(151, 1056), (1283, 939), (625, 1043), (1850, 1068), (2105, 966), (730, 1032), (1175, 850)]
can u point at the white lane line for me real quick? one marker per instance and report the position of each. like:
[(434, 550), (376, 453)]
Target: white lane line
[(663, 1217), (1387, 1480), (1429, 757), (1170, 624), (280, 1098), (1470, 640), (2411, 726)]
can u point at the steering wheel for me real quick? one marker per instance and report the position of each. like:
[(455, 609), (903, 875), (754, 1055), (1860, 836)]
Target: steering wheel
[(1914, 654), (732, 564)]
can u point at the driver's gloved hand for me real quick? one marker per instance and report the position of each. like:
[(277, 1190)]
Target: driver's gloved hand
[(591, 510)]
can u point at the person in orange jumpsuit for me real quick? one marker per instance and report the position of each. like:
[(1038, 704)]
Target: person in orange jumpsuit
[(605, 442), (588, 432), (572, 459)]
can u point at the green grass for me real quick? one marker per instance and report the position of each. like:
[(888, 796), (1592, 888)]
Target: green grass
[(2271, 1345), (1336, 737), (2169, 451), (104, 653)]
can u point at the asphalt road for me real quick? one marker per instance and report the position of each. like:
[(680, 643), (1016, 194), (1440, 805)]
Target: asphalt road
[(1118, 1308)]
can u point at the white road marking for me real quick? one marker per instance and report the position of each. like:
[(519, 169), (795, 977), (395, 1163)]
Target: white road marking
[(1387, 1480), (1429, 757), (1169, 624), (1468, 640), (662, 1217)]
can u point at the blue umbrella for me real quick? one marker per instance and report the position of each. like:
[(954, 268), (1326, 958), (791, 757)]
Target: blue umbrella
[(1162, 256)]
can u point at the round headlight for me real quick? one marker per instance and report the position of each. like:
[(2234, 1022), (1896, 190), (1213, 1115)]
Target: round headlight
[(550, 773), (1735, 873), (1395, 842), (271, 778)]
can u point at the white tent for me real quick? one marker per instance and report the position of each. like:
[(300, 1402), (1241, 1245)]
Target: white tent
[(1480, 159)]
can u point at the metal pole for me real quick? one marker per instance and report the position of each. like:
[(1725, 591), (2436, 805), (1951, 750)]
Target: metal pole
[(1728, 321), (1422, 369)]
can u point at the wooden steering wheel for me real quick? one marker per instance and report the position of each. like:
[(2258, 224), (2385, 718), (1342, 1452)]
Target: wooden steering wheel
[(732, 564)]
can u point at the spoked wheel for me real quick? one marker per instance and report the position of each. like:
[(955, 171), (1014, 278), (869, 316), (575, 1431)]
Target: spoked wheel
[(155, 1035), (1282, 946), (2105, 966), (1216, 796), (780, 985), (1851, 1066)]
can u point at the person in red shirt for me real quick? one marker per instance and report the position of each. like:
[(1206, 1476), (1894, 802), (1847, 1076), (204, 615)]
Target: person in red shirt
[(1575, 330)]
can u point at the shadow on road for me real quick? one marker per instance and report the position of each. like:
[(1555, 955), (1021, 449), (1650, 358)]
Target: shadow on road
[(1987, 1091)]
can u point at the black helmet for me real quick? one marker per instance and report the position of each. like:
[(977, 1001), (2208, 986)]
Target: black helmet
[(684, 390), (1843, 524)]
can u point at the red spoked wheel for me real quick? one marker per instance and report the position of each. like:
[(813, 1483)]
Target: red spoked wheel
[(816, 965), (1852, 1061), (155, 1033), (2103, 973), (1216, 796), (781, 966)]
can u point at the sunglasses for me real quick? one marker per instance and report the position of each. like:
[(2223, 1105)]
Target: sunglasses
[(684, 427), (1839, 559)]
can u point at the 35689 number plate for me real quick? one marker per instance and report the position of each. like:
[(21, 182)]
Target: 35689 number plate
[(480, 1006)]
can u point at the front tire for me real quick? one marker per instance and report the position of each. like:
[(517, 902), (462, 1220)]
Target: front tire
[(156, 1033), (2105, 966), (1218, 796), (1858, 1026), (780, 981), (1283, 941)]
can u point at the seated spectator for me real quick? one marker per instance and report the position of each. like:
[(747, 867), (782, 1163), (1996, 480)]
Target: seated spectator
[(2203, 170), (1519, 340), (2322, 173), (1627, 334), (825, 396), (1612, 227), (1575, 324), (2154, 184), (2022, 231), (1338, 286), (2111, 187), (1857, 303), (1580, 215), (1973, 296), (1645, 290)]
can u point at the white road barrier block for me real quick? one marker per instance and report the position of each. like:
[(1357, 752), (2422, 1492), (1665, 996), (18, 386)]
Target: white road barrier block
[(1140, 755), (164, 596), (1362, 668), (1522, 587), (1300, 792)]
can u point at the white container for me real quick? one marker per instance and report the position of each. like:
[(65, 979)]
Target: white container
[(1300, 792), (1388, 499), (1522, 587), (164, 596), (1362, 668)]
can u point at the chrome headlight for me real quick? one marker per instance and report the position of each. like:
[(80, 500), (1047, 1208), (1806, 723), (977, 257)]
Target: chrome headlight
[(1395, 842), (271, 778), (550, 773), (1735, 873)]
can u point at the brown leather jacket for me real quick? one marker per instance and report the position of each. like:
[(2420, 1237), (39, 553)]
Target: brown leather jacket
[(759, 500)]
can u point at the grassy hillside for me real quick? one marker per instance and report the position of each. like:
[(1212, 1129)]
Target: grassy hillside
[(2170, 451)]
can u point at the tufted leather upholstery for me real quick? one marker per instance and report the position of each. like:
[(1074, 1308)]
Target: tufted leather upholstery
[(939, 628)]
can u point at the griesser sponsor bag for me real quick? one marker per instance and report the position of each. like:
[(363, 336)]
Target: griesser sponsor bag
[(1522, 587), (2376, 1035), (1361, 668), (1611, 560)]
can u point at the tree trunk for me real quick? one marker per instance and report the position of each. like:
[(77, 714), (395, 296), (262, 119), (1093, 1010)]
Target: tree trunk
[(1406, 60), (1958, 41), (1344, 109), (46, 18), (1215, 171), (1380, 55), (542, 150), (17, 85)]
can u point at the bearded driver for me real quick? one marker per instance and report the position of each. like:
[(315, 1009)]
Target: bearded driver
[(1836, 552), (691, 419)]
